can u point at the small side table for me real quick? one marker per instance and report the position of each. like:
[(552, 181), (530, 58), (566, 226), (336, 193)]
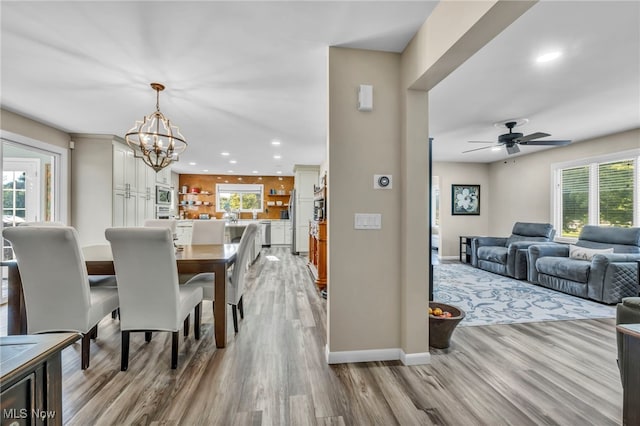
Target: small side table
[(465, 247), (631, 376)]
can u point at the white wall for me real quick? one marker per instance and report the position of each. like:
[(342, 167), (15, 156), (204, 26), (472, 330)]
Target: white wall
[(521, 187), (452, 227), (512, 190)]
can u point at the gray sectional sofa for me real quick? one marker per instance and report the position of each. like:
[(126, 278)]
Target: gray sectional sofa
[(604, 277)]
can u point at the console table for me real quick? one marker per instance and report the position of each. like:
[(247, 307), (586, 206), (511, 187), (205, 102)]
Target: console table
[(31, 378), (631, 368)]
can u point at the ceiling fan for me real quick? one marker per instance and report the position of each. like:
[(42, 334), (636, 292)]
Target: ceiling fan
[(512, 139)]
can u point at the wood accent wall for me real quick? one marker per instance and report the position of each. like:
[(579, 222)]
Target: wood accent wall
[(208, 183)]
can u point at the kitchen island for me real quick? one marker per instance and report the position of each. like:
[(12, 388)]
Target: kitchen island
[(270, 232)]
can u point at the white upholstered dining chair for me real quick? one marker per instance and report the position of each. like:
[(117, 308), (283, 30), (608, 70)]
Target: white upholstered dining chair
[(162, 223), (55, 284), (208, 231), (94, 280), (150, 297), (235, 280)]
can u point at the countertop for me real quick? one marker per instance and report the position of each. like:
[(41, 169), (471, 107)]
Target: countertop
[(241, 222)]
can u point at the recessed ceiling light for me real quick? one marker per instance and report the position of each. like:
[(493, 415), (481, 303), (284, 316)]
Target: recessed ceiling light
[(549, 56), (279, 172), (495, 148), (205, 170), (192, 163), (277, 156), (275, 142), (229, 171), (232, 161), (254, 172), (224, 153)]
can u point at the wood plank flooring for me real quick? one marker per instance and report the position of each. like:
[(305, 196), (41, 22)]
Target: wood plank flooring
[(273, 372)]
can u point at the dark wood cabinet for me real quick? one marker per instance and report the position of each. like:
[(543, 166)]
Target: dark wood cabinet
[(318, 252), (31, 378)]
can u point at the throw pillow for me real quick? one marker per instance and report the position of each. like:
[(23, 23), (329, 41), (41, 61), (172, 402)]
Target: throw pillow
[(582, 253)]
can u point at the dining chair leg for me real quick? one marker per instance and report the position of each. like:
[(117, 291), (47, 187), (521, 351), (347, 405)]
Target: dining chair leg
[(234, 312), (186, 326), (147, 336), (124, 356), (174, 350), (213, 308), (114, 314), (197, 317), (86, 349), (241, 307), (94, 332)]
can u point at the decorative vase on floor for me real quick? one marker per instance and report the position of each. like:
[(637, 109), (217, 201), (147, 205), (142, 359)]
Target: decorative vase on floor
[(441, 328)]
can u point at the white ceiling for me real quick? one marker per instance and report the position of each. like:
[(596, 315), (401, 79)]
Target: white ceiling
[(593, 89), (241, 74)]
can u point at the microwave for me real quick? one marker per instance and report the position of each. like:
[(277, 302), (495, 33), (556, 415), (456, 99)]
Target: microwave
[(163, 195)]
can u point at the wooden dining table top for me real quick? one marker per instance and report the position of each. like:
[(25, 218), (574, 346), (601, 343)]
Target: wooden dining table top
[(213, 252)]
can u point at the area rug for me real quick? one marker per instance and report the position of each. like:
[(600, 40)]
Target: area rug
[(489, 298)]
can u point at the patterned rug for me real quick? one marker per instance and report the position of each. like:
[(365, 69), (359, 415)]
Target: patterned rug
[(489, 298)]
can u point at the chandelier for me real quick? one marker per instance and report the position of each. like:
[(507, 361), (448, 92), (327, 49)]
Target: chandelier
[(155, 139)]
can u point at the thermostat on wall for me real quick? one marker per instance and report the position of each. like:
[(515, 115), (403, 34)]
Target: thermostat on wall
[(381, 181)]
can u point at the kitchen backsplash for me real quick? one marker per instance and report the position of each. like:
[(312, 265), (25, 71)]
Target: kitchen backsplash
[(276, 194)]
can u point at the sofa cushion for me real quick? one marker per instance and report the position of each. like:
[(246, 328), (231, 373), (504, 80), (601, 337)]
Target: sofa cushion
[(493, 254), (623, 240), (583, 253), (563, 267), (517, 238)]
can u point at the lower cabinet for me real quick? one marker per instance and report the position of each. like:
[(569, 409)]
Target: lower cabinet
[(280, 232)]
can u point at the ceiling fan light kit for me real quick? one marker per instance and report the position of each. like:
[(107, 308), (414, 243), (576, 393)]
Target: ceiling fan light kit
[(155, 139), (512, 139)]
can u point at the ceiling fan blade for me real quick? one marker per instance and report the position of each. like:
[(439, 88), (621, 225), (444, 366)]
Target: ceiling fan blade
[(548, 142), (536, 135), (480, 141), (478, 149)]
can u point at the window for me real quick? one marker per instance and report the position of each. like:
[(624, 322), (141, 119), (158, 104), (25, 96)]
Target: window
[(601, 191), (239, 197)]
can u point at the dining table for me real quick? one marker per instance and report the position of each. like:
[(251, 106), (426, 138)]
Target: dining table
[(190, 259)]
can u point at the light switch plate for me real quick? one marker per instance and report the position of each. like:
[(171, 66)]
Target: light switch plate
[(367, 221)]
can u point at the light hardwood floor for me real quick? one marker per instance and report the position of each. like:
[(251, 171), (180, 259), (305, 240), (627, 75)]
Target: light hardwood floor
[(273, 372)]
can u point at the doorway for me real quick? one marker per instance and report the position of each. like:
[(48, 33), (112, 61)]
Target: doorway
[(29, 191)]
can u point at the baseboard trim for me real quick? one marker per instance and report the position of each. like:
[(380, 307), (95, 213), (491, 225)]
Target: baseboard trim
[(419, 358), (371, 355)]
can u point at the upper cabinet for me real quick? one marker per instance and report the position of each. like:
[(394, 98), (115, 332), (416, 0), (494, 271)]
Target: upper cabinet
[(163, 177)]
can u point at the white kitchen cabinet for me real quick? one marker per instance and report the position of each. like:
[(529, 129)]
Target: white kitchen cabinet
[(306, 178), (287, 232), (277, 233), (134, 185), (125, 208), (280, 232), (163, 177), (124, 169)]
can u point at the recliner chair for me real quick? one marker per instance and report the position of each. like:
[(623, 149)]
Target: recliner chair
[(508, 255), (603, 267)]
